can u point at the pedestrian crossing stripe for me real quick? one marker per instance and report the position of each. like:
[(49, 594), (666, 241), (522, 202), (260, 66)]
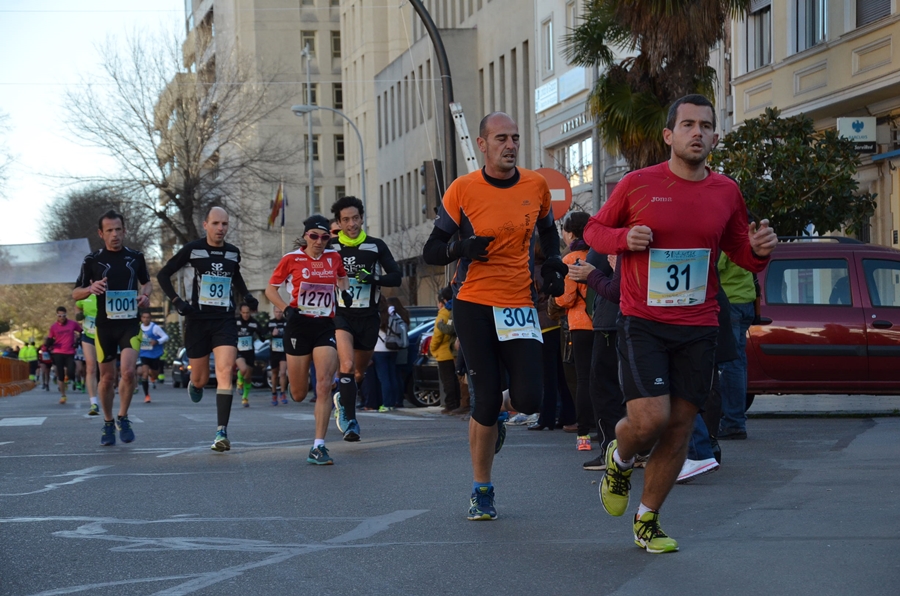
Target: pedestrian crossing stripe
[(35, 421)]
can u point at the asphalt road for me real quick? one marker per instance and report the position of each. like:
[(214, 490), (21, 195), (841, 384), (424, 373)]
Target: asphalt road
[(804, 506)]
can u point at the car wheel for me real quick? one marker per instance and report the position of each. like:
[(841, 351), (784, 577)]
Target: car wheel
[(750, 397), (421, 398)]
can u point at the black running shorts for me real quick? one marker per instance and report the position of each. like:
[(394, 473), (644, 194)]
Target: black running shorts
[(202, 335), (363, 329), (115, 335), (303, 334), (663, 359)]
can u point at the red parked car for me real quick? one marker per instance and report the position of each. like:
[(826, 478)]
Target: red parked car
[(830, 320)]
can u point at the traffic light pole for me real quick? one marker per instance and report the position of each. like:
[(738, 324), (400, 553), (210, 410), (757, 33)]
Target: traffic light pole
[(446, 86)]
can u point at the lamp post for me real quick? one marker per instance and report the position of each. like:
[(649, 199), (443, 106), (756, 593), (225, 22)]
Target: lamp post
[(306, 109), (309, 144)]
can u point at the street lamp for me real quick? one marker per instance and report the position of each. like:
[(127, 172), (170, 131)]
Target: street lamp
[(306, 109)]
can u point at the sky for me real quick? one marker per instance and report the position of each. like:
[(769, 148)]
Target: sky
[(47, 47)]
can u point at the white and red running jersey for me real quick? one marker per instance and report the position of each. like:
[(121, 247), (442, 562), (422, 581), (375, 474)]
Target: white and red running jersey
[(312, 283)]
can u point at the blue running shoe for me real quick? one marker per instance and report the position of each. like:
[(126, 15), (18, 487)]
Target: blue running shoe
[(109, 434), (340, 419), (125, 432), (481, 506), (319, 456), (502, 419), (196, 394), (351, 435), (221, 443)]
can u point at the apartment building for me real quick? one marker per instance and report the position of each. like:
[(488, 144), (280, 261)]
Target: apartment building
[(394, 95), (828, 59), (270, 36)]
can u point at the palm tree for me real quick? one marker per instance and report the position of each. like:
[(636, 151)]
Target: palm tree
[(666, 44)]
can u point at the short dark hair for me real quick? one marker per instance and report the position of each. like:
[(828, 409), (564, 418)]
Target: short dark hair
[(694, 99), (345, 203), (61, 309), (574, 223), (446, 293), (111, 214)]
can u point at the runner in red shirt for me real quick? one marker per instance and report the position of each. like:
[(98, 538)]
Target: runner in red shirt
[(62, 332), (668, 222), (311, 274)]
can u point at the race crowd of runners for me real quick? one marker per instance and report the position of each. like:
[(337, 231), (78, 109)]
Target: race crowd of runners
[(645, 266)]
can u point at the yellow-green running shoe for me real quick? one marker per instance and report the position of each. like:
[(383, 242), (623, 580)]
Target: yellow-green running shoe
[(616, 484), (649, 536)]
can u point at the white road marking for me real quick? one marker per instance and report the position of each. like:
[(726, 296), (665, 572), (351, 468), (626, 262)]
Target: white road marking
[(5, 442), (35, 421)]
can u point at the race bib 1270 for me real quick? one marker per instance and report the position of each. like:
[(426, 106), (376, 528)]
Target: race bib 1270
[(121, 304), (517, 323), (315, 300), (677, 277)]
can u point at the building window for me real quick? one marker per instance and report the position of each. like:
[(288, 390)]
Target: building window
[(338, 96), (571, 14), (308, 2), (547, 47), (339, 147), (868, 11), (314, 99), (315, 146), (308, 38), (335, 44), (577, 161), (759, 34), (340, 192), (317, 200), (810, 23)]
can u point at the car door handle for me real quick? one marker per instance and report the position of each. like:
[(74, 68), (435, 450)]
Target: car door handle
[(882, 324)]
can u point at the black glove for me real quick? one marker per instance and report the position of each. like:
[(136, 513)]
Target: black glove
[(366, 277), (183, 308), (347, 297), (289, 312), (474, 248), (252, 302), (554, 272)]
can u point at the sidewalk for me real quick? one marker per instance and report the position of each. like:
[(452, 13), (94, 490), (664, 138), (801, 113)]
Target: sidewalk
[(771, 406)]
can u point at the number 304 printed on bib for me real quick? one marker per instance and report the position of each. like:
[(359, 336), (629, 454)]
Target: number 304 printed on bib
[(517, 323)]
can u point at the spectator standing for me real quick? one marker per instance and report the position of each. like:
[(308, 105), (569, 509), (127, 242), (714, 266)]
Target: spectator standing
[(741, 292), (29, 354), (441, 348), (394, 322), (581, 327)]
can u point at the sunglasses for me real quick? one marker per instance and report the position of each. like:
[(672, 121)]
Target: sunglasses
[(317, 237), (335, 232)]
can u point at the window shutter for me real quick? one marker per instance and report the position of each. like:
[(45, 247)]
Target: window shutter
[(868, 11), (756, 5)]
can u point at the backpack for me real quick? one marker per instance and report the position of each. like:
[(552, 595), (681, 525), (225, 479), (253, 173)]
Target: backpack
[(396, 337)]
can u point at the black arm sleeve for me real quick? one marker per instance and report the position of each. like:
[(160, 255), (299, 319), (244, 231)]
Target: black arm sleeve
[(549, 237), (169, 269), (439, 250), (239, 285), (391, 276)]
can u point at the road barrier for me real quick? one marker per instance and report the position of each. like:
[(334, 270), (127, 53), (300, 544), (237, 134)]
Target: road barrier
[(14, 377)]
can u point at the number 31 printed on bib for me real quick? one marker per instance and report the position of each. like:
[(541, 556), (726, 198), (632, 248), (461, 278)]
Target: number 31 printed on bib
[(677, 277)]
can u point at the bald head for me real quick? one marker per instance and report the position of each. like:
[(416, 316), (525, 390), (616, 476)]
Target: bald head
[(492, 119), (216, 226)]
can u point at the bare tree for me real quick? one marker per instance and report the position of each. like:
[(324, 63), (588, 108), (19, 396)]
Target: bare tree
[(75, 215), (184, 128)]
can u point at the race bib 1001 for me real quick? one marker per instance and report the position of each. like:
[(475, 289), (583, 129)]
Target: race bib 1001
[(362, 294), (245, 344), (215, 290), (677, 277), (517, 323), (315, 300), (121, 304), (277, 344)]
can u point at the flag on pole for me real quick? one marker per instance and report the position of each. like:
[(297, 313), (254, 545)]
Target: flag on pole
[(277, 205)]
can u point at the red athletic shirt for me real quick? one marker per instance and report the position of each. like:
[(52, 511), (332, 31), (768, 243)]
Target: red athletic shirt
[(682, 214), (310, 282), (64, 336)]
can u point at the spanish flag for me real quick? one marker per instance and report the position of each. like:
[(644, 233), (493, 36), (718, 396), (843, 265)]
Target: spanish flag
[(278, 205)]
